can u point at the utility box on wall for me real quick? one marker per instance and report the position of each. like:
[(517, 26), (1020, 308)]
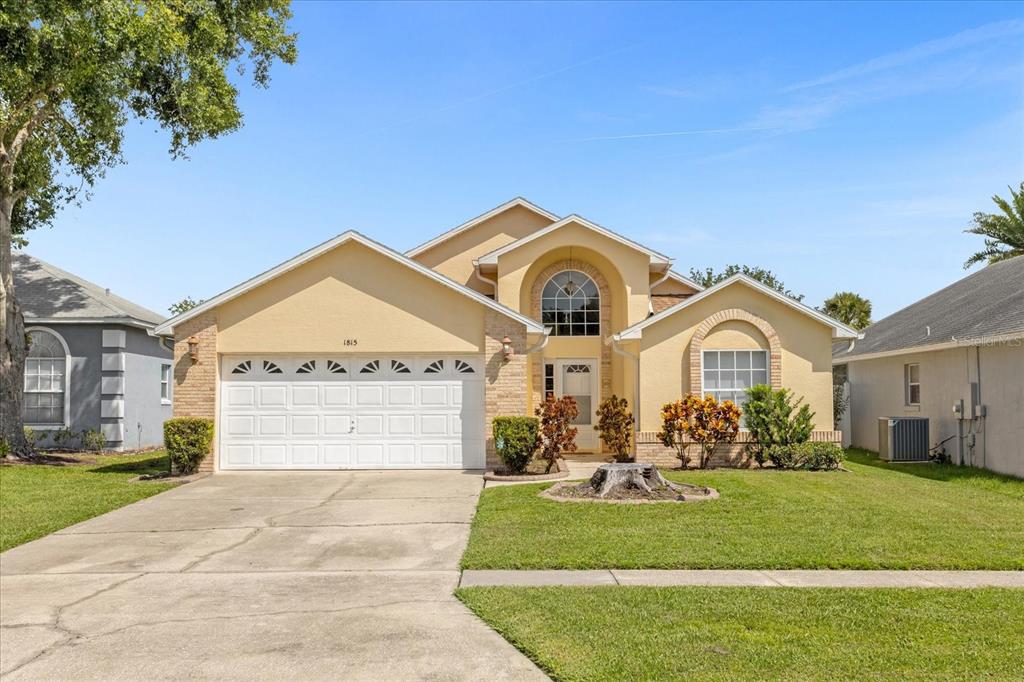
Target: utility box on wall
[(903, 439)]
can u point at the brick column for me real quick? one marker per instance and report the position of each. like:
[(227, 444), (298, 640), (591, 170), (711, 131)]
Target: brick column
[(505, 380), (195, 383)]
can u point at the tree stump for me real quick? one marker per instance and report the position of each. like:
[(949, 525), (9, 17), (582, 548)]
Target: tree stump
[(645, 477)]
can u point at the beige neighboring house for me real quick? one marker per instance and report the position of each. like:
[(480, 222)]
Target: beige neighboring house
[(352, 355), (962, 343)]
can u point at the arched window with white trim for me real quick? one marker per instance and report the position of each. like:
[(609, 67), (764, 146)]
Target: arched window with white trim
[(571, 305), (46, 385)]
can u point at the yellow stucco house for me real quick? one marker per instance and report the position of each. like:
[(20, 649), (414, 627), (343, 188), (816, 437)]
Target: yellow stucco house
[(352, 355)]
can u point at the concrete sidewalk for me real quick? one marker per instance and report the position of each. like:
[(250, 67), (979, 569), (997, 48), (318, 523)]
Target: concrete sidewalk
[(727, 578)]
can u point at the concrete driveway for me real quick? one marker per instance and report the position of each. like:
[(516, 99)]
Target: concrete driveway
[(345, 575)]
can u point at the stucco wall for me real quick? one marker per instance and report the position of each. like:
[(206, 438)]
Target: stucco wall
[(351, 292), (616, 261), (144, 414), (453, 257), (877, 390), (806, 351)]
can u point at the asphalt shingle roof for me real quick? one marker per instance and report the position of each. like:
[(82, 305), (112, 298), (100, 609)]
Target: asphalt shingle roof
[(45, 291), (989, 303)]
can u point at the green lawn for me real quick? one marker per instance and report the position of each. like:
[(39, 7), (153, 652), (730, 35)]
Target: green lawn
[(874, 516), (36, 500), (647, 633)]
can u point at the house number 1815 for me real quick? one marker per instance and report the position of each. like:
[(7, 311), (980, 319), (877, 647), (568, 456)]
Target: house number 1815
[(350, 342)]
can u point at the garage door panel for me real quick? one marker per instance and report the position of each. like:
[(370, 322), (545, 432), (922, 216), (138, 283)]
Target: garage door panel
[(337, 424), (305, 396), (305, 454), (401, 395), (369, 425), (272, 453), (337, 396), (273, 425), (368, 454), (400, 454), (240, 396), (305, 413), (240, 454), (303, 425), (434, 453), (401, 424), (337, 454), (272, 396), (240, 425)]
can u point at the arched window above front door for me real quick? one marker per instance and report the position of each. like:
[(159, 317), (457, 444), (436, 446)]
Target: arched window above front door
[(571, 305)]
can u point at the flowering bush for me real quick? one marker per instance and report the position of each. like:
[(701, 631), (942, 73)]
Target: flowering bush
[(557, 435), (701, 420)]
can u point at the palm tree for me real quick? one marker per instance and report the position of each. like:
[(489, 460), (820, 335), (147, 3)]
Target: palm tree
[(848, 308), (1003, 232)]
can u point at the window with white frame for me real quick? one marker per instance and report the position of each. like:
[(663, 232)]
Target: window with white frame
[(45, 379), (571, 305), (912, 383), (165, 384), (728, 373)]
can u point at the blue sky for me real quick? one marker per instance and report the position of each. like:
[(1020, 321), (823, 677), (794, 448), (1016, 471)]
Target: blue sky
[(844, 147)]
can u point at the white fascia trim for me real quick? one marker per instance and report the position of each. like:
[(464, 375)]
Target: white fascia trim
[(126, 321), (656, 258), (946, 345), (839, 330), (518, 201), (672, 274), (167, 327)]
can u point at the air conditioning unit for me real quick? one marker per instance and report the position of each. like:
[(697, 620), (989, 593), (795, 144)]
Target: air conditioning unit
[(903, 439)]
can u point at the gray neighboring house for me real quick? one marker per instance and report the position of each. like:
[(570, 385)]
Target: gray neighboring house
[(93, 362), (964, 342)]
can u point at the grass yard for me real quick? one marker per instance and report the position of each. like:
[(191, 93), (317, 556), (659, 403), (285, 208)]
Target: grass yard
[(36, 500), (648, 633), (874, 516)]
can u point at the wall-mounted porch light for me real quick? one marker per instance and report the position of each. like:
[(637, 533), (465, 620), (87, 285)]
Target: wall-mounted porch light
[(193, 349), (506, 348)]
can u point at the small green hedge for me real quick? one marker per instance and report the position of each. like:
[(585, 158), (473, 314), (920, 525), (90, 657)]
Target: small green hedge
[(188, 441), (515, 439), (814, 456)]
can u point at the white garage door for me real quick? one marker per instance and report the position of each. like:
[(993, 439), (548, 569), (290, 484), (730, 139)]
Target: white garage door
[(374, 412)]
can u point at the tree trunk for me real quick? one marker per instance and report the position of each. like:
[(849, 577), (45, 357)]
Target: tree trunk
[(645, 477), (12, 341)]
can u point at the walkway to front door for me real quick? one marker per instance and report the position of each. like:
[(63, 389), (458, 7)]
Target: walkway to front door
[(271, 575)]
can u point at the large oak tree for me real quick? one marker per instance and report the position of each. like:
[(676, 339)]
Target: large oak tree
[(72, 74)]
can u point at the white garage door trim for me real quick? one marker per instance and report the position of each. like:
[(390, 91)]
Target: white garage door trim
[(366, 412)]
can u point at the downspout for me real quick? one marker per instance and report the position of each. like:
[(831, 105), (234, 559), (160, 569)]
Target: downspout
[(636, 375), (493, 283), (650, 293), (543, 342)]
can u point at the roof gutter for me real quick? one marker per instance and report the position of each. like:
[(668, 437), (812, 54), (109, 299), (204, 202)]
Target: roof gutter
[(947, 345)]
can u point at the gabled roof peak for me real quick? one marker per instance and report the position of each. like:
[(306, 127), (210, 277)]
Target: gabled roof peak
[(519, 201)]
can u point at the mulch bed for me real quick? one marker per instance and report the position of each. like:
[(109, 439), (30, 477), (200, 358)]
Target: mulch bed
[(584, 492), (534, 472)]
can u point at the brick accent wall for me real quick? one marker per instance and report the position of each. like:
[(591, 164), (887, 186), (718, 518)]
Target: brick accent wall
[(195, 383), (697, 344), (605, 317), (650, 449), (505, 380)]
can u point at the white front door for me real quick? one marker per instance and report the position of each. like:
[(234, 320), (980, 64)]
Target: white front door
[(578, 378), (337, 412)]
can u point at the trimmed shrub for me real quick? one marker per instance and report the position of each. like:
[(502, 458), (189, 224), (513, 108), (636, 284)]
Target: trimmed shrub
[(769, 416), (615, 424), (702, 420), (824, 456), (813, 456), (515, 439), (188, 440)]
